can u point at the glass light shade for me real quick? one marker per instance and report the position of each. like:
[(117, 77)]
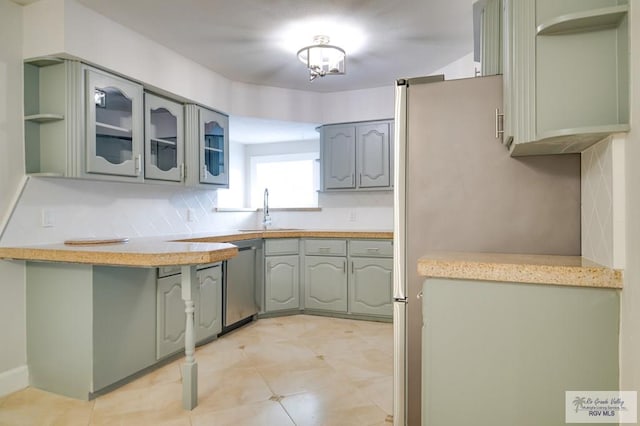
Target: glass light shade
[(322, 59)]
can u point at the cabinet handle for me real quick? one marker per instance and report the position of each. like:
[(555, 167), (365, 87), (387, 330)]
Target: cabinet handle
[(344, 267), (499, 127), (204, 173), (181, 171), (138, 164), (324, 249), (352, 268), (373, 249), (360, 179)]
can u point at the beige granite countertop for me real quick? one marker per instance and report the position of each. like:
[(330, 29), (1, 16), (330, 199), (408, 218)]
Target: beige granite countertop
[(170, 250), (225, 236), (522, 268)]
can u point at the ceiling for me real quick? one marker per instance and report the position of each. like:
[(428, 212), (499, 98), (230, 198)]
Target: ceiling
[(255, 41)]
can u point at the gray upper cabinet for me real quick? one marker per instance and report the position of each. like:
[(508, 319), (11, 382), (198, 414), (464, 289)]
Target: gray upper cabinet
[(49, 114), (164, 139), (566, 74), (339, 157), (83, 122), (373, 160), (356, 156), (114, 125), (207, 134)]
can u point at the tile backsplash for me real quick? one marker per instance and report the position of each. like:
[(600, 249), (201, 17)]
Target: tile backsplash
[(81, 208), (603, 207)]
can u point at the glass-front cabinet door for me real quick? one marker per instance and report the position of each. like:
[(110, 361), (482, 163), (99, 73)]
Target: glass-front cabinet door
[(164, 139), (214, 147), (114, 125)]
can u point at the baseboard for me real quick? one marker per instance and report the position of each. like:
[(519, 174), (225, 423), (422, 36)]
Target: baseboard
[(14, 380)]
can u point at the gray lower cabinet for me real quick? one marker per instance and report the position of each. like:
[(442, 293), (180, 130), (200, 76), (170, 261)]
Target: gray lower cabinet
[(208, 315), (282, 283), (170, 310), (371, 277), (510, 348), (325, 283), (349, 276), (370, 286), (281, 274), (88, 327)]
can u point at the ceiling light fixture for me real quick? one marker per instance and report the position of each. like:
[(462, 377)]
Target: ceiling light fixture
[(322, 59)]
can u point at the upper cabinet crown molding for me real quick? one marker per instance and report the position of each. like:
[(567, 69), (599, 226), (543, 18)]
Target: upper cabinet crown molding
[(566, 74)]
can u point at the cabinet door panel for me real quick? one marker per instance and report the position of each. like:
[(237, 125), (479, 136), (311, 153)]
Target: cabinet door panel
[(209, 303), (282, 283), (170, 327), (164, 139), (339, 150), (370, 286), (114, 125), (373, 155), (214, 147), (325, 281)]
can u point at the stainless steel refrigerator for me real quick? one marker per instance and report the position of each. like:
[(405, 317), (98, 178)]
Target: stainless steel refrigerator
[(458, 189)]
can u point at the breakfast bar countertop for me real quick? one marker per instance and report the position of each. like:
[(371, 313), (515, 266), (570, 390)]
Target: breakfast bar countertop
[(170, 250), (520, 268)]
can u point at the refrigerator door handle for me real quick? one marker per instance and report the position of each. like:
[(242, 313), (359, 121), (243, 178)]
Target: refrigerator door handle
[(399, 193)]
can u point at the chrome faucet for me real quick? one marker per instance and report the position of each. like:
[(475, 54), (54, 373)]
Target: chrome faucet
[(266, 219)]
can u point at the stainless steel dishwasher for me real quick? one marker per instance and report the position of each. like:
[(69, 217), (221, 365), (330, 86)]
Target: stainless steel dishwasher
[(243, 274)]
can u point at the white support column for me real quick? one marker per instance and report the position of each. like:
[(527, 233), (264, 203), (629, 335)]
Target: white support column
[(190, 367)]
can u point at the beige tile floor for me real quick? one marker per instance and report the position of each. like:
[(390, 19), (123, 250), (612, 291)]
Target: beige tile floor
[(297, 370)]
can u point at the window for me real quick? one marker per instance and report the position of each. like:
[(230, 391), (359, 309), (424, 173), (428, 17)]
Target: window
[(292, 179)]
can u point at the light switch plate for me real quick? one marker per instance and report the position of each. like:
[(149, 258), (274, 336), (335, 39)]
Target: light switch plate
[(48, 219), (191, 215)]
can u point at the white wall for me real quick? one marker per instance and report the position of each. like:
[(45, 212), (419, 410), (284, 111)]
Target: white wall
[(13, 358), (83, 208), (462, 68), (630, 295)]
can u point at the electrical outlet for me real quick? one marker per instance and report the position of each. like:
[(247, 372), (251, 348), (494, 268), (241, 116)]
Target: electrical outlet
[(47, 218), (191, 215)]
